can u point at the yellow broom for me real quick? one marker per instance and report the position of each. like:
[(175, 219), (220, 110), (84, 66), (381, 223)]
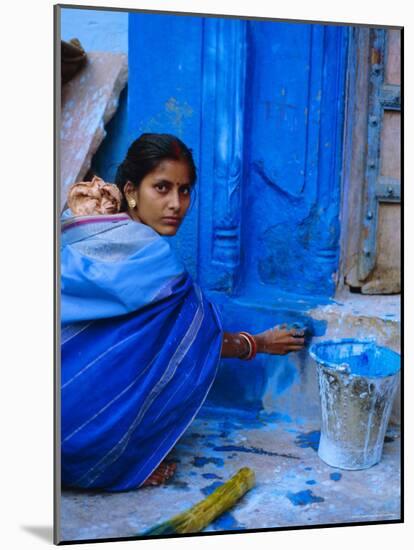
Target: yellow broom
[(200, 515)]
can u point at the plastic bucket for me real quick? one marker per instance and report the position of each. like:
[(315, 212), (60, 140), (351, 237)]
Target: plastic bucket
[(357, 385)]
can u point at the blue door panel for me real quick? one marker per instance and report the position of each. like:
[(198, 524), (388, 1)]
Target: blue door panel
[(292, 191), (279, 90)]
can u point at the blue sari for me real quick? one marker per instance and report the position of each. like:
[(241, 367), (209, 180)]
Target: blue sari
[(140, 346)]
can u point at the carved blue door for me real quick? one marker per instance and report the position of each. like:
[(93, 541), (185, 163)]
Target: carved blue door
[(261, 105)]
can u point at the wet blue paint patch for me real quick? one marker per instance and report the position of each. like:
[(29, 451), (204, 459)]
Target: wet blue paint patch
[(309, 439), (254, 450), (311, 482), (241, 418), (180, 485), (302, 498), (200, 461), (336, 476), (227, 522), (211, 488), (211, 476), (271, 418), (196, 435), (227, 426)]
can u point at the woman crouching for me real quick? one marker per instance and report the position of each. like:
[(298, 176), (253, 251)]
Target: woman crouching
[(140, 342)]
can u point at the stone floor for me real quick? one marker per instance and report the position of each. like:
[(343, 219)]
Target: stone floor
[(293, 486)]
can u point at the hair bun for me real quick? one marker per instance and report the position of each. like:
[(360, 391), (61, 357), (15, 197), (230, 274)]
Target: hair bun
[(88, 198)]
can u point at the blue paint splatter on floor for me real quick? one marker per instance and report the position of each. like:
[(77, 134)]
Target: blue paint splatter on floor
[(302, 498), (271, 418), (309, 439), (200, 461), (311, 482), (211, 476), (180, 485), (336, 476), (211, 488), (227, 522), (253, 450), (227, 426)]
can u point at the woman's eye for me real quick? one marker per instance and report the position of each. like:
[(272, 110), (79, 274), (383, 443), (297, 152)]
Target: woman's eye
[(161, 187), (185, 190)]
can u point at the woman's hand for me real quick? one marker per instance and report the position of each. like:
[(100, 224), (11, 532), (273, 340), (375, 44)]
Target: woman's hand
[(280, 340)]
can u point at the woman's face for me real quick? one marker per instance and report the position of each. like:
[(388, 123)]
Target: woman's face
[(163, 197)]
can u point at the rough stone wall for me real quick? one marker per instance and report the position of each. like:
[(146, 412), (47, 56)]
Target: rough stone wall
[(89, 101)]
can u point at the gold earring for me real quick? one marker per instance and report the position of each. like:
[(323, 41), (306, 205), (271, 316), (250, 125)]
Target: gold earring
[(132, 203)]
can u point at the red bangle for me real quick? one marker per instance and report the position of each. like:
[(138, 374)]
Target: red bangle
[(253, 345)]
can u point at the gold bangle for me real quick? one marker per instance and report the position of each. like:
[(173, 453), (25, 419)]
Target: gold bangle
[(249, 354), (253, 344)]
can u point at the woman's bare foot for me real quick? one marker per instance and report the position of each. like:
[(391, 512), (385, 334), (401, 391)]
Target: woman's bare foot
[(160, 475)]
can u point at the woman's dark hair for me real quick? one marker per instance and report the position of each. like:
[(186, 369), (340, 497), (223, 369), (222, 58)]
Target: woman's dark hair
[(146, 153)]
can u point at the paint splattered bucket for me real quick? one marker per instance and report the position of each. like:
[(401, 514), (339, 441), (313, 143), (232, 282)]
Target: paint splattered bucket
[(357, 384)]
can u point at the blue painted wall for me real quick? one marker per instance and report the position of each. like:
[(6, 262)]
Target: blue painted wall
[(261, 105), (165, 95), (292, 157), (97, 30)]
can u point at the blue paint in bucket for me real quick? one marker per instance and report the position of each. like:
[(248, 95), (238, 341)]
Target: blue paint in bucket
[(357, 357), (357, 383)]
